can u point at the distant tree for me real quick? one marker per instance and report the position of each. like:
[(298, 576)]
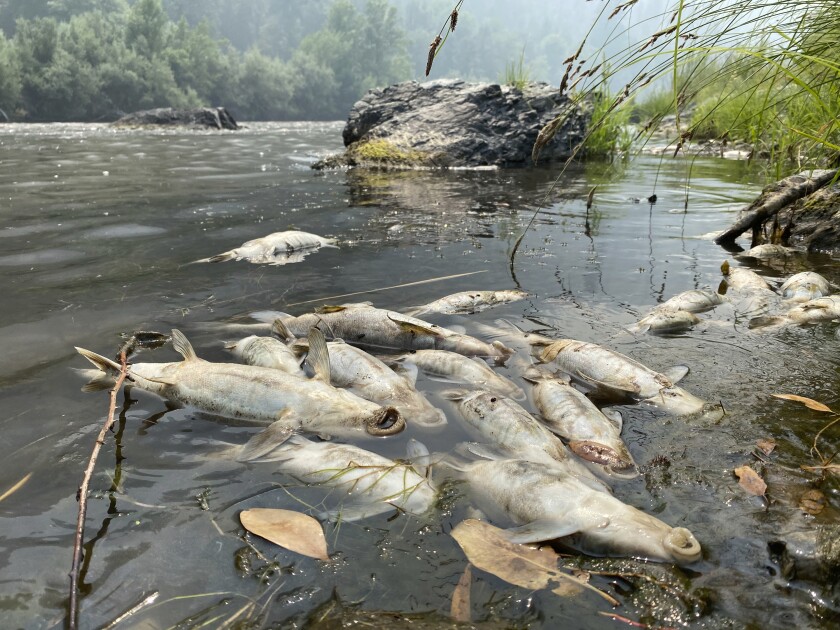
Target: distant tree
[(145, 31), (265, 88), (9, 77)]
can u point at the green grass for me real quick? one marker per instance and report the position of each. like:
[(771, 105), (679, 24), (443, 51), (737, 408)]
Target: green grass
[(516, 73)]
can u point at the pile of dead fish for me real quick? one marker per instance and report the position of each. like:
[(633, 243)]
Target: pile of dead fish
[(346, 372)]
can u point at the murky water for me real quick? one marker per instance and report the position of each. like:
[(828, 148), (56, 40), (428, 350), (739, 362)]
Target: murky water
[(97, 228)]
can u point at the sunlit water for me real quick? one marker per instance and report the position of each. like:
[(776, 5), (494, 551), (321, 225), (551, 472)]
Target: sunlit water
[(97, 230)]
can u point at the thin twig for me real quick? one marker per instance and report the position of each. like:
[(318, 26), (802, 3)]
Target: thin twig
[(81, 495)]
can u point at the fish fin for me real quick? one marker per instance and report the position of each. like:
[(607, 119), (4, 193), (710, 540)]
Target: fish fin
[(414, 311), (230, 345), (724, 268), (534, 375), (330, 308), (605, 385), (319, 355), (765, 320), (455, 394), (279, 330), (356, 511), (417, 329), (419, 456), (160, 380), (183, 346), (408, 371), (477, 449), (614, 417), (223, 257), (676, 374), (102, 363), (99, 380), (267, 316), (541, 530), (267, 440)]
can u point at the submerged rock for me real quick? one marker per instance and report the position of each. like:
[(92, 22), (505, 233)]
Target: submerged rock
[(454, 123), (212, 117)]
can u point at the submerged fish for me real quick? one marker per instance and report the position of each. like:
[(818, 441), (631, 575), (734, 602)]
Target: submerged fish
[(591, 434), (693, 301), (257, 393), (548, 506), (278, 248), (767, 251), (373, 484), (822, 309), (469, 302), (369, 327), (460, 369), (805, 286), (601, 368), (663, 321)]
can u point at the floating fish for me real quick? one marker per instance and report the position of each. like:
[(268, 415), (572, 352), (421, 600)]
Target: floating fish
[(822, 309), (601, 368), (279, 248), (768, 251), (805, 286), (547, 506), (269, 352), (591, 434), (693, 301), (663, 321), (752, 294), (469, 302), (261, 394)]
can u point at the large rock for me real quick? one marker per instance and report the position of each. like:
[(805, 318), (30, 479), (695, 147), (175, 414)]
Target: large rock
[(454, 123), (212, 117)]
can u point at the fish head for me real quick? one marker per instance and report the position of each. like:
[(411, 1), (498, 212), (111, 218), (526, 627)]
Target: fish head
[(384, 421), (677, 401), (617, 462)]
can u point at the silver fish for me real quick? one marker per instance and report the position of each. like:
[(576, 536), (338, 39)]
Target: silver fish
[(601, 368), (739, 279), (805, 286), (257, 393), (663, 321), (267, 352), (469, 302), (767, 251), (693, 301), (460, 369), (548, 506), (369, 327), (372, 484), (590, 433), (822, 309), (278, 248), (752, 295)]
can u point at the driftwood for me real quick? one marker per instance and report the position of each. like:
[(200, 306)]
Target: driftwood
[(772, 199)]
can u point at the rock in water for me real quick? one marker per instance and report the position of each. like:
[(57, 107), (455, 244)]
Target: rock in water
[(212, 117), (454, 123)]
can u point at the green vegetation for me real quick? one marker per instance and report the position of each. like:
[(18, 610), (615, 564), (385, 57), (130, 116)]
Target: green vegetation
[(386, 153), (516, 74)]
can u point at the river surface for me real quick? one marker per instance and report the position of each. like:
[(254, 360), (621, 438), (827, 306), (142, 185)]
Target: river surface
[(97, 230)]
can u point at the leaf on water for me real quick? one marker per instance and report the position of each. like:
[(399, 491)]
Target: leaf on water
[(522, 565), (812, 502), (461, 609), (295, 531), (766, 445), (808, 402), (750, 481)]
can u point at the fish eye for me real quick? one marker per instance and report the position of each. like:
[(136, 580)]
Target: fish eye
[(493, 399)]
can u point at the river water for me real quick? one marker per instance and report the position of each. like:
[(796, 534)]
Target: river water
[(97, 230)]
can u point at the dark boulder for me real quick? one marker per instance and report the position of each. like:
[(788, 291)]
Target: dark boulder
[(207, 117), (454, 123)]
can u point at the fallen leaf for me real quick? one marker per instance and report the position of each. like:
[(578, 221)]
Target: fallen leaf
[(522, 565), (750, 481), (808, 402), (812, 502), (767, 446), (461, 609), (295, 531)]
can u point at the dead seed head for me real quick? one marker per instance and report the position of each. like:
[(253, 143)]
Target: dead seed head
[(432, 50), (453, 19)]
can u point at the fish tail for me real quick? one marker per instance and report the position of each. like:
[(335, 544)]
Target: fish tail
[(97, 380), (104, 364), (225, 256), (267, 316)]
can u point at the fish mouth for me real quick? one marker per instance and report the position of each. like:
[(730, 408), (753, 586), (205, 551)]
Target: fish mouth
[(600, 454), (682, 545), (387, 421)]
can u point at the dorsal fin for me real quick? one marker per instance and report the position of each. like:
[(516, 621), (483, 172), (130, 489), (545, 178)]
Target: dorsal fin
[(319, 356), (330, 308), (279, 330), (614, 417), (183, 346), (417, 329), (676, 373)]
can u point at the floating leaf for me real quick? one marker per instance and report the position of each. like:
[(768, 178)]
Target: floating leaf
[(812, 502), (808, 402), (766, 445), (461, 609), (750, 481), (294, 531), (521, 565)]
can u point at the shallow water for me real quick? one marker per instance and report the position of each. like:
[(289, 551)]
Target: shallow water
[(97, 229)]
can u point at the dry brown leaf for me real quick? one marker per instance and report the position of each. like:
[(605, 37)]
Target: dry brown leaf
[(295, 531), (750, 481), (812, 502), (521, 565), (808, 402), (766, 445), (461, 609)]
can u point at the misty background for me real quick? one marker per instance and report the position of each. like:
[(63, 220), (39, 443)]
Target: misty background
[(88, 60)]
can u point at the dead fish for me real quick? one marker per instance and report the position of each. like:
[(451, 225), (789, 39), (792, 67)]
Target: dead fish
[(751, 293), (693, 301), (469, 302), (591, 434), (822, 309), (278, 248), (258, 393), (514, 432), (739, 279), (601, 368), (369, 327), (268, 352), (805, 286), (767, 251), (547, 506), (663, 321), (460, 369), (373, 484)]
